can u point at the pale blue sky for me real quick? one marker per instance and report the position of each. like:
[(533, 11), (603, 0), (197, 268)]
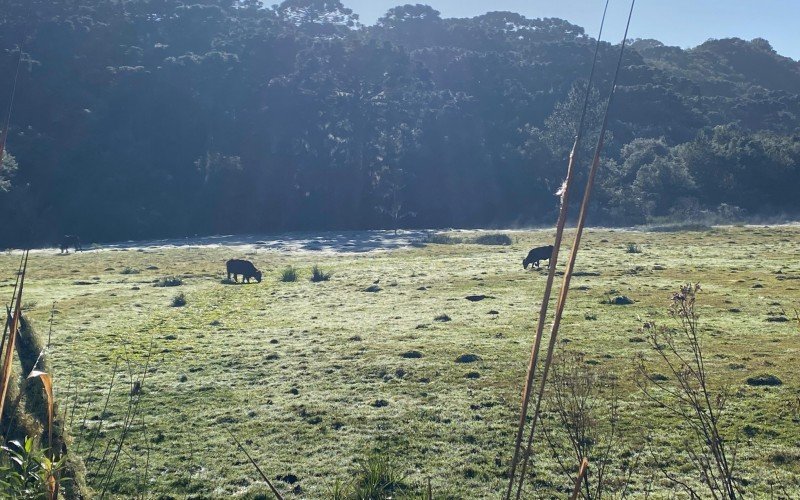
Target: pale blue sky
[(686, 23)]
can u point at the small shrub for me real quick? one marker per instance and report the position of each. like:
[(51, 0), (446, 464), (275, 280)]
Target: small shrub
[(289, 274), (493, 239), (130, 270), (179, 300), (318, 275), (169, 281), (633, 248)]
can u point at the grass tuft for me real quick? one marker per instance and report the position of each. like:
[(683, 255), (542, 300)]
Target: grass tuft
[(289, 275), (633, 248), (179, 300), (318, 275)]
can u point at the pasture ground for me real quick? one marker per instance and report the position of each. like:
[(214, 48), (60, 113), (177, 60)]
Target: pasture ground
[(312, 377)]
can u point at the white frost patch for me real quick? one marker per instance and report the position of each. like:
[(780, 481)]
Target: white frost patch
[(324, 242)]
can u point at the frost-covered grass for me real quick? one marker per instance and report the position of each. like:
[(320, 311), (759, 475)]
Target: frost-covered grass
[(315, 377)]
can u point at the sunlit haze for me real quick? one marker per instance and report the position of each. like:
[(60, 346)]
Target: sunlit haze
[(685, 23)]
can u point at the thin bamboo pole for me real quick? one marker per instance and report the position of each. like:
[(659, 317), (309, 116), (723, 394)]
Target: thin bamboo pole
[(573, 254)]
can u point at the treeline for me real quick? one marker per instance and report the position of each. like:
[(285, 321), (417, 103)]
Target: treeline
[(149, 118)]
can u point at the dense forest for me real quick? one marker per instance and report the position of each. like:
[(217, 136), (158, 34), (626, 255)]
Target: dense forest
[(152, 118)]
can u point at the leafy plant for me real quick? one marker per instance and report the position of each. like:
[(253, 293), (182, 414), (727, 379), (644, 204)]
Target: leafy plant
[(27, 472)]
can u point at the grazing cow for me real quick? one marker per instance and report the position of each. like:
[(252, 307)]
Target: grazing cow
[(70, 240), (243, 267), (537, 254)]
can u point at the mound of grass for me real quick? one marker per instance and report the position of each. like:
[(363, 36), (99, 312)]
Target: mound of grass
[(168, 281), (179, 300), (468, 358), (289, 274), (764, 380), (619, 300), (130, 270), (493, 239), (444, 239), (318, 275)]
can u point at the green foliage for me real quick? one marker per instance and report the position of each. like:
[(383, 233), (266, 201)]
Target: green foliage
[(456, 122), (289, 274), (8, 167), (25, 470)]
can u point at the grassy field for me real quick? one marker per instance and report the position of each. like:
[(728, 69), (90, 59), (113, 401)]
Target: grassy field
[(316, 377)]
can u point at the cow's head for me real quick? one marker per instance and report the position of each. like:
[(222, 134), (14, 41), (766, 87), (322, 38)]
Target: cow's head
[(525, 263), (258, 276)]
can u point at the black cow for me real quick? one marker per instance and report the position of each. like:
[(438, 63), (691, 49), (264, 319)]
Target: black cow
[(70, 240), (537, 254), (243, 267)]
